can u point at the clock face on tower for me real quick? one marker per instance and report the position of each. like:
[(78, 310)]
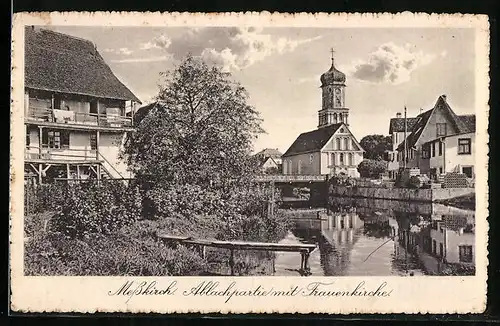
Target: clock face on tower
[(338, 97)]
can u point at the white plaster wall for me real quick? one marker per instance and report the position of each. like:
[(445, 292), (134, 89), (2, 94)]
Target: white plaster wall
[(453, 241), (454, 161), (109, 147), (308, 167)]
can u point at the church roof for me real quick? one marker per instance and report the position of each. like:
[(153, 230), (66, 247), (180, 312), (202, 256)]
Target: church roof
[(313, 140), (333, 75), (63, 63)]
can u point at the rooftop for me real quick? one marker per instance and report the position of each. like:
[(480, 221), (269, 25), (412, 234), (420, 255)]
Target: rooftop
[(67, 64)]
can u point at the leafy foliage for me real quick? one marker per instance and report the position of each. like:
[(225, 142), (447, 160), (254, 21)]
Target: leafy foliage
[(372, 168), (342, 180), (375, 146), (199, 132), (97, 208), (115, 254)]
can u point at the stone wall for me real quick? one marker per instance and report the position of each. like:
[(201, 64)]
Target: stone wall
[(423, 195)]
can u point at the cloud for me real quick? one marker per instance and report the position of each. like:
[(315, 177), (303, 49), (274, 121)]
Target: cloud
[(124, 51), (231, 48), (147, 59), (391, 63), (159, 42)]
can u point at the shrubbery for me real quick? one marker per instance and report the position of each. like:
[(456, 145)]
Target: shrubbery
[(97, 208), (114, 254), (372, 168)]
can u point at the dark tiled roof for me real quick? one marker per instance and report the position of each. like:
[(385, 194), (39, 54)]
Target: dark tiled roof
[(312, 140), (66, 64), (270, 152), (398, 124), (463, 124), (469, 121)]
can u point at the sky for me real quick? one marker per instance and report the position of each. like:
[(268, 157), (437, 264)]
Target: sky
[(387, 69)]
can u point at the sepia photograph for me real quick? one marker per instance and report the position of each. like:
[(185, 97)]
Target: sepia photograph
[(320, 161), (246, 151)]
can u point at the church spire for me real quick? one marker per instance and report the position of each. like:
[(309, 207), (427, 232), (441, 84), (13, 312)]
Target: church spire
[(333, 108)]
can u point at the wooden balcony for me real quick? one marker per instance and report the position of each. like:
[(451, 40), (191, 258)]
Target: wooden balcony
[(33, 154), (70, 119)]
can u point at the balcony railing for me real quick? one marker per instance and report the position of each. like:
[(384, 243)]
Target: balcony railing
[(61, 154), (78, 118)]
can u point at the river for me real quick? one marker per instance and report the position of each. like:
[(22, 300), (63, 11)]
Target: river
[(362, 237)]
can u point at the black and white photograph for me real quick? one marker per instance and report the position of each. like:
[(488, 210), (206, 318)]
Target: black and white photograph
[(246, 151), (303, 152)]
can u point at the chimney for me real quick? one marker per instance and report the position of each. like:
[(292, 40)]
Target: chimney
[(444, 97), (398, 115)]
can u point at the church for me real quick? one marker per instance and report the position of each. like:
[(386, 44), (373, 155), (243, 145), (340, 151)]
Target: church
[(330, 149)]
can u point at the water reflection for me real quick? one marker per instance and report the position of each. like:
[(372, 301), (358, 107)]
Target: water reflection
[(380, 237)]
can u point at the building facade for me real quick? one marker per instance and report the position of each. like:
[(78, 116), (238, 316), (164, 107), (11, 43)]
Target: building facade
[(331, 148), (269, 160), (397, 133), (440, 141), (77, 112)]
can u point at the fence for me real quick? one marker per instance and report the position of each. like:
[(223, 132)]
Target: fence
[(47, 153), (80, 118)]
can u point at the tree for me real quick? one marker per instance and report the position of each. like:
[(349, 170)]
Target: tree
[(375, 146), (191, 153), (199, 132), (372, 168)]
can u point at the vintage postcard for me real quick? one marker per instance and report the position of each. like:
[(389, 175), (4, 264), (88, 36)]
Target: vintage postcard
[(249, 163)]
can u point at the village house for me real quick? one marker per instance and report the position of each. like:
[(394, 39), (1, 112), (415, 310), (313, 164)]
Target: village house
[(269, 160), (440, 142), (331, 148), (397, 132), (75, 110)]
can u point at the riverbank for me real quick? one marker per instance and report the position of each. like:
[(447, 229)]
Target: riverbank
[(405, 194), (465, 202)]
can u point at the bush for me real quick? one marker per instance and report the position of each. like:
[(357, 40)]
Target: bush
[(372, 168), (97, 208), (342, 180), (116, 254)]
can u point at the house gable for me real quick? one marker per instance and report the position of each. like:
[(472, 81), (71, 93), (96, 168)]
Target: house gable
[(343, 131), (425, 127)]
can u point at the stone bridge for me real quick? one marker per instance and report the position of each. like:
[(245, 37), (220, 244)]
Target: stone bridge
[(317, 185), (292, 178)]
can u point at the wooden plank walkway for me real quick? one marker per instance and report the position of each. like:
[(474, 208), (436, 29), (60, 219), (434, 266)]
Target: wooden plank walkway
[(304, 249)]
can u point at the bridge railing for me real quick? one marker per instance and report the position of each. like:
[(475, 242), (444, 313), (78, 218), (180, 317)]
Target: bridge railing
[(291, 177)]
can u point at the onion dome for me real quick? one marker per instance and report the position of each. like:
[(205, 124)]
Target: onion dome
[(332, 76)]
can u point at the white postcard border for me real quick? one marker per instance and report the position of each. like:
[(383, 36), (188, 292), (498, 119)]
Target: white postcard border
[(90, 294)]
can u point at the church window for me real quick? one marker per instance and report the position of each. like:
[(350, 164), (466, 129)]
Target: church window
[(338, 143), (335, 117), (350, 159), (346, 143), (299, 167), (311, 158), (332, 159), (340, 117), (341, 158)]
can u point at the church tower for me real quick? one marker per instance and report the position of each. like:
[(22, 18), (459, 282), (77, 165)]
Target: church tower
[(333, 108)]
